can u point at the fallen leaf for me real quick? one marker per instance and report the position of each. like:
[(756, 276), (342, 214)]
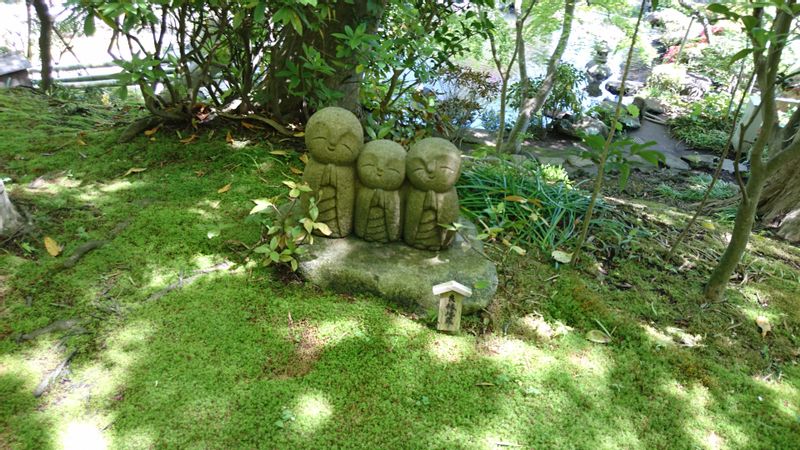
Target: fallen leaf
[(299, 134), (229, 138), (134, 170), (279, 152), (515, 198), (562, 257), (238, 145), (250, 126), (484, 383), (199, 173), (189, 139), (295, 170), (224, 189), (763, 323), (81, 142), (708, 225), (212, 234), (304, 158), (52, 246), (152, 131), (261, 205), (598, 337)]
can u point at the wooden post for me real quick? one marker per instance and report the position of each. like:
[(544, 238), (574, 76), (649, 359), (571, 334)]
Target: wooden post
[(451, 298)]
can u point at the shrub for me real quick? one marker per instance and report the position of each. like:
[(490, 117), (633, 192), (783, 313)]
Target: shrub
[(524, 204), (707, 124), (667, 78)]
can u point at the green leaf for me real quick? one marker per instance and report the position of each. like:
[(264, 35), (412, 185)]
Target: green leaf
[(274, 256), (633, 110), (739, 55), (518, 250), (561, 256), (88, 25), (297, 24), (652, 156), (719, 9), (624, 174), (262, 249), (293, 262), (259, 10), (261, 205)]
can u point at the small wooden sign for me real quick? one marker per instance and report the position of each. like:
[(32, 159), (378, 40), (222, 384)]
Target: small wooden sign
[(451, 298)]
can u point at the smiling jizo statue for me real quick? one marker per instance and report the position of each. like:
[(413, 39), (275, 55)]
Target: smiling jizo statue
[(334, 138), (433, 166), (381, 173)]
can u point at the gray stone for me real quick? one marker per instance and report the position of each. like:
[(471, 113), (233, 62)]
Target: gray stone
[(551, 160), (577, 161), (704, 161), (631, 87), (585, 125), (674, 162), (9, 217), (629, 122), (649, 105), (399, 273)]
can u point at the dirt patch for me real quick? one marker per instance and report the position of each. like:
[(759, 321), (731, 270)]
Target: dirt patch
[(307, 350)]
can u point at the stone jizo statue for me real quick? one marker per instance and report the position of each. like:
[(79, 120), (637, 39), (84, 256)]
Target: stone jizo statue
[(381, 173), (9, 217), (334, 138), (433, 166)]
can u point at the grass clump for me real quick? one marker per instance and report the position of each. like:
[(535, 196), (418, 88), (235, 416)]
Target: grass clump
[(525, 203), (696, 187)]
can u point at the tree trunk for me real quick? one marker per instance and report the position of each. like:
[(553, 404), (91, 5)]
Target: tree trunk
[(745, 217), (531, 104), (287, 107), (780, 202), (9, 217), (46, 24)]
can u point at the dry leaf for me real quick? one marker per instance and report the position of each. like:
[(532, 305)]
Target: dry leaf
[(708, 225), (81, 142), (304, 158), (52, 246), (295, 170), (238, 145), (516, 198), (152, 131), (189, 139), (299, 134), (598, 337), (228, 138), (224, 189), (562, 257), (279, 153), (250, 126), (763, 323), (134, 170), (199, 173)]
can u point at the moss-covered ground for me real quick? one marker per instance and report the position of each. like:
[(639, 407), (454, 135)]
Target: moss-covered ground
[(253, 358)]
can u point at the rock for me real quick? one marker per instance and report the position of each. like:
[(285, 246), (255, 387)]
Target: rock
[(551, 160), (585, 125), (10, 219), (629, 122), (577, 161), (674, 162), (631, 87), (597, 72), (399, 273), (649, 105), (695, 86), (704, 161), (479, 136)]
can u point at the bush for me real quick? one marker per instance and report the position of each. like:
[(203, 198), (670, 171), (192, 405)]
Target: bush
[(706, 126), (523, 204), (667, 78), (696, 188)]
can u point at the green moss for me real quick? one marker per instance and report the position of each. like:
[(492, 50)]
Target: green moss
[(249, 359)]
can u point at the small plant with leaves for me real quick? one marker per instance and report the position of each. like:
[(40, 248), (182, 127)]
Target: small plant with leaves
[(620, 153), (287, 227)]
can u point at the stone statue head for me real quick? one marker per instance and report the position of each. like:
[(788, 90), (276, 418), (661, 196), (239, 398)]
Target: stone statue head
[(433, 164), (382, 165), (334, 136)]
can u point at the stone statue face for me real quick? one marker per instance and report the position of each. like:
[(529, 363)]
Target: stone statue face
[(334, 136), (433, 164), (382, 165)]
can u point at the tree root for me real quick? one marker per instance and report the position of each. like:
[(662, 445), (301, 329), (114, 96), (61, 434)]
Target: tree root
[(187, 281), (48, 380), (137, 128), (58, 325)]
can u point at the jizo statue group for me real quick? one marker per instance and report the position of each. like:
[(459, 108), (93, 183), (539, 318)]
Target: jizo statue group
[(380, 191)]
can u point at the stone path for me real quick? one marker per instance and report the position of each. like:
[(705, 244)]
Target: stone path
[(556, 150)]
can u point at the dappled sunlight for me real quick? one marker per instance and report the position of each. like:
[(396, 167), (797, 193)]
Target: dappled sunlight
[(450, 349), (333, 332), (535, 325), (83, 435), (120, 185), (53, 186), (658, 338), (785, 397), (35, 360), (313, 410), (515, 351), (161, 277), (684, 338), (590, 361)]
